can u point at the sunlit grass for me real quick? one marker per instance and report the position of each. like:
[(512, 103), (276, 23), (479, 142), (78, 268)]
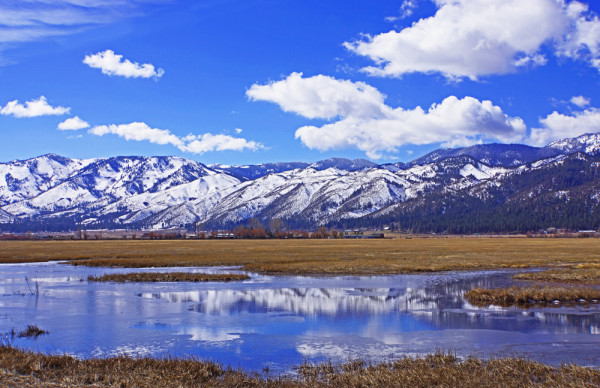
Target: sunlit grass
[(325, 257)]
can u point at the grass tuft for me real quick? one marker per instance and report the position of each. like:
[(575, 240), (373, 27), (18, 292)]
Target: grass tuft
[(31, 331), (167, 277)]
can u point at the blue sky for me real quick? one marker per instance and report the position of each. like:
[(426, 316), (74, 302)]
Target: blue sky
[(239, 82)]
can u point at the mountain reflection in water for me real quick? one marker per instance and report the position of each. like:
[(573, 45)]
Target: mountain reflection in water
[(441, 308)]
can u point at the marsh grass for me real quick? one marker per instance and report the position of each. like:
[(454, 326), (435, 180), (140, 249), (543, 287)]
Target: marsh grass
[(167, 277), (582, 273), (314, 257), (534, 295), (22, 368)]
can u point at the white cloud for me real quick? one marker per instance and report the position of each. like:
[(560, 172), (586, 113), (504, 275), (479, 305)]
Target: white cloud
[(238, 130), (209, 142), (406, 9), (474, 38), (559, 126), (73, 124), (320, 96), (583, 37), (113, 64), (580, 101), (365, 122), (33, 108), (139, 131), (198, 144)]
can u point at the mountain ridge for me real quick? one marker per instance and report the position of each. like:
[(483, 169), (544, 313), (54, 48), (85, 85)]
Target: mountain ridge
[(165, 191)]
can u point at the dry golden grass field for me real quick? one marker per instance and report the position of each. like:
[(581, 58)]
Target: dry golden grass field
[(324, 257)]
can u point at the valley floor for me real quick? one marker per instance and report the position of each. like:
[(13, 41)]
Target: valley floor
[(315, 257)]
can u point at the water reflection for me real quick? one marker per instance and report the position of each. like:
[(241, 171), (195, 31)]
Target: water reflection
[(441, 307), (304, 301), (279, 322)]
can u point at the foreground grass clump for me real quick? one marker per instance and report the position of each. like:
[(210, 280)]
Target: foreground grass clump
[(583, 273), (309, 257), (21, 368), (524, 296), (167, 277)]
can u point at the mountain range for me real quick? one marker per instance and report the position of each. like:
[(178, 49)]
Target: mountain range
[(482, 188)]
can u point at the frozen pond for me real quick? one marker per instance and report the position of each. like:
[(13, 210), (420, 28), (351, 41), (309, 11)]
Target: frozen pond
[(278, 322)]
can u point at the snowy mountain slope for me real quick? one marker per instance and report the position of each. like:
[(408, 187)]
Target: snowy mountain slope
[(563, 191), (128, 188), (332, 194), (180, 205), (24, 179), (290, 190), (5, 217), (588, 143)]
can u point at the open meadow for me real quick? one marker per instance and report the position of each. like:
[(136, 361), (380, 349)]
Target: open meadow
[(318, 257)]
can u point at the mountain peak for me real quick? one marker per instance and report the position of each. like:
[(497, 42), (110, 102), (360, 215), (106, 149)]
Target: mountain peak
[(588, 143), (343, 164)]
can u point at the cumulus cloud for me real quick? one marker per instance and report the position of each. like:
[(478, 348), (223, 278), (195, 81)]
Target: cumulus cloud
[(139, 131), (474, 38), (114, 64), (73, 124), (33, 108), (580, 101), (197, 144), (209, 142), (364, 121), (320, 96), (559, 126)]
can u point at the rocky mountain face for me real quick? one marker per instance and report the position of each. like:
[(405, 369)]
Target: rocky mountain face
[(492, 187)]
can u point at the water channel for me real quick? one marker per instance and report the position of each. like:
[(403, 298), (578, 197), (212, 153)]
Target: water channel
[(279, 322)]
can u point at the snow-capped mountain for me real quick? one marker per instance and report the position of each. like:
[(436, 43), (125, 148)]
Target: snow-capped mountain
[(157, 192), (120, 189), (250, 172), (492, 154), (588, 143), (28, 178)]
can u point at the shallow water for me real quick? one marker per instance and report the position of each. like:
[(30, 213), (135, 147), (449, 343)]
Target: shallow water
[(278, 322)]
